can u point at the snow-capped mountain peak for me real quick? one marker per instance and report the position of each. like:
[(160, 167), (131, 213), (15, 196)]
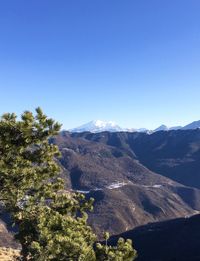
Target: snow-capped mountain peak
[(103, 124), (98, 126)]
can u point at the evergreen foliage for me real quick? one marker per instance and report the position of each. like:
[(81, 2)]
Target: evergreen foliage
[(52, 222), (123, 251)]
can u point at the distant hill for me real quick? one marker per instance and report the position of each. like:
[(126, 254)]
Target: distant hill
[(162, 128), (193, 125)]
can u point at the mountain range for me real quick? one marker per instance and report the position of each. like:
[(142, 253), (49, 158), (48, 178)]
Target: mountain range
[(138, 181), (135, 178), (100, 126)]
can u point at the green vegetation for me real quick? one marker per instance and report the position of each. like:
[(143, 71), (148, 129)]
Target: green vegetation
[(52, 222)]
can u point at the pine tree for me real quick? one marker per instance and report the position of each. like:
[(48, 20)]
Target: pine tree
[(52, 223), (123, 250)]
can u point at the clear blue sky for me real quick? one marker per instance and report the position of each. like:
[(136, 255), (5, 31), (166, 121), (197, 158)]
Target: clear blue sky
[(136, 62)]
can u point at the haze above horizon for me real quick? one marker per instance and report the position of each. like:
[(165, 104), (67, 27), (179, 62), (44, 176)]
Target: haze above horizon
[(133, 62)]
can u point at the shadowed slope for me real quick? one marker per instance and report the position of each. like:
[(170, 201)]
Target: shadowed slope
[(176, 239)]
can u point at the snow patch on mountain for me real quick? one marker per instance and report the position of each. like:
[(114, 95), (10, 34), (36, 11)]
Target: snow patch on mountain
[(111, 186)]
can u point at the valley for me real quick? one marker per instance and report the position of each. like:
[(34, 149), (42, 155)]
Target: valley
[(126, 175)]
